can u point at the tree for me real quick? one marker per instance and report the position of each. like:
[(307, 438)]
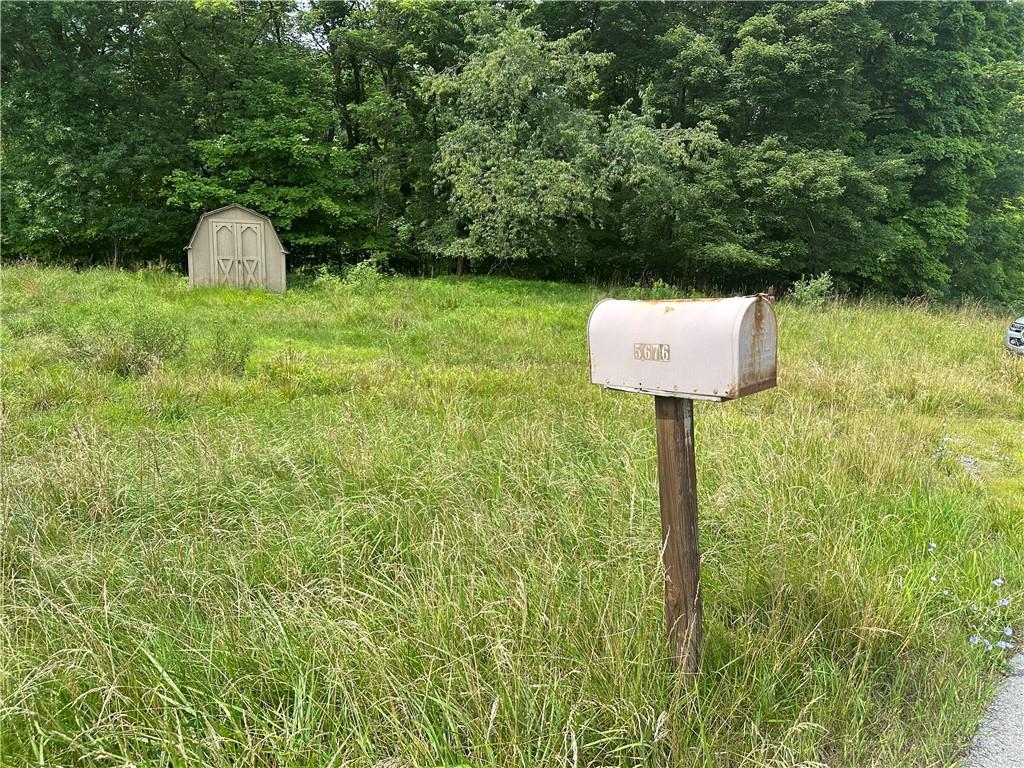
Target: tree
[(519, 154), (729, 143), (673, 204), (272, 146), (92, 123), (938, 105)]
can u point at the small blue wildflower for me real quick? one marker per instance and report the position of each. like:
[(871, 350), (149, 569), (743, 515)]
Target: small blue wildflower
[(1003, 602), (931, 546), (998, 582), (1005, 645), (973, 640), (1008, 631), (988, 645)]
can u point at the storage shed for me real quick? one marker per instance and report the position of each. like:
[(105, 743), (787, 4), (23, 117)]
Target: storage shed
[(236, 246)]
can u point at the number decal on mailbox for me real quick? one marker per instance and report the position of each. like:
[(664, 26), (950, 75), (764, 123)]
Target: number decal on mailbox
[(655, 352)]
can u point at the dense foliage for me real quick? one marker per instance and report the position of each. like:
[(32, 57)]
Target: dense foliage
[(738, 144)]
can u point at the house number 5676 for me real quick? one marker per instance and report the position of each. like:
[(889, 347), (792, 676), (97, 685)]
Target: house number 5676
[(655, 352)]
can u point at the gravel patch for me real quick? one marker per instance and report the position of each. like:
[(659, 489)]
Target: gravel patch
[(999, 742)]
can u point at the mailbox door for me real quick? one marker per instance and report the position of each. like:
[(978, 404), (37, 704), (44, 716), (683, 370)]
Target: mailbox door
[(757, 341)]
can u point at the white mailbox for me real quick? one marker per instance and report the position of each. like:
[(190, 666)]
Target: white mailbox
[(702, 349)]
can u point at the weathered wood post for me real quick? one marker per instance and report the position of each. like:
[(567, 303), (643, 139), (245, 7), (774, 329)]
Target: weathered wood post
[(680, 554), (681, 351)]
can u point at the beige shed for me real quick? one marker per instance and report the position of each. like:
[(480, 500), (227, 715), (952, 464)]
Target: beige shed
[(236, 246)]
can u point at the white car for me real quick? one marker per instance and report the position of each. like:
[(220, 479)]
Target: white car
[(1015, 336)]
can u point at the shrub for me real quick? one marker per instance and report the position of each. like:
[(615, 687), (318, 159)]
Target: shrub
[(659, 290), (228, 350), (129, 346), (367, 275), (813, 291), (325, 279)]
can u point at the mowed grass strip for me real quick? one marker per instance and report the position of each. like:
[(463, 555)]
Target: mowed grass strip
[(394, 525)]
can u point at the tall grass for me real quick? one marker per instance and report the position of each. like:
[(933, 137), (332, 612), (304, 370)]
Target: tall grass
[(402, 529)]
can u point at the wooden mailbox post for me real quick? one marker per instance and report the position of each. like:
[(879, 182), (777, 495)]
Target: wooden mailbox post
[(681, 351)]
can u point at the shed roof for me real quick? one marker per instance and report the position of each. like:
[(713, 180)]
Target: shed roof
[(224, 208)]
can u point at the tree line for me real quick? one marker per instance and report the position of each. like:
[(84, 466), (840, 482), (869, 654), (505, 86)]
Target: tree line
[(729, 144)]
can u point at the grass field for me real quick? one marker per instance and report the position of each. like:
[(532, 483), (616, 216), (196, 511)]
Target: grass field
[(394, 525)]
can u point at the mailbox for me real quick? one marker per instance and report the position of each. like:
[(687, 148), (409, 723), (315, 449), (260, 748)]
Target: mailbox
[(681, 351), (701, 349)]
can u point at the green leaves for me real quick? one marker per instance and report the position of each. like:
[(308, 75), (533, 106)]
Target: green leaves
[(519, 157), (733, 144), (278, 165)]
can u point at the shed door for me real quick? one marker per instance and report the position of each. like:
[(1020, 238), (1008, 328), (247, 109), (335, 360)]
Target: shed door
[(238, 253)]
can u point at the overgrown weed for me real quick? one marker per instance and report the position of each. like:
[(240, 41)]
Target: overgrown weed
[(813, 292), (228, 348), (413, 531), (366, 276), (128, 340)]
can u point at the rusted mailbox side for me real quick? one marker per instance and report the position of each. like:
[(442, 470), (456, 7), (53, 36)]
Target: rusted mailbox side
[(700, 349)]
